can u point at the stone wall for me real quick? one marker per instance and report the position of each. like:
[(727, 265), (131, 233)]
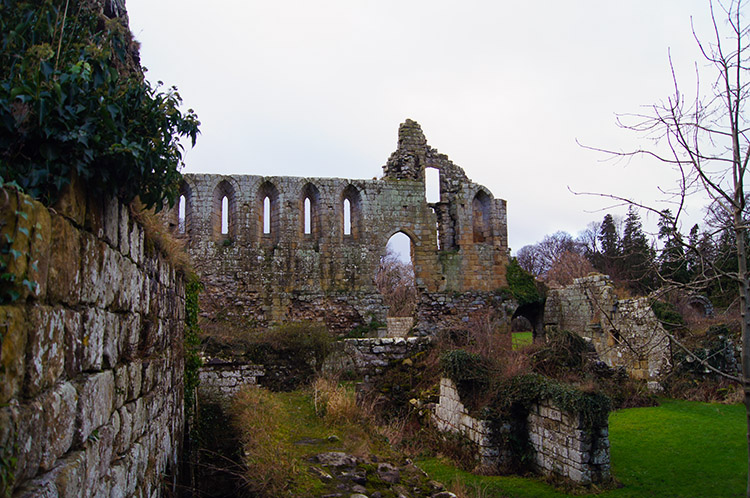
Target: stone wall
[(564, 447), (451, 415), (561, 444), (91, 385), (399, 326), (459, 310), (221, 381), (625, 332), (305, 262), (369, 357)]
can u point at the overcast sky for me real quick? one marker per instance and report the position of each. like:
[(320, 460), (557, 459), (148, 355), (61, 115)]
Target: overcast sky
[(504, 88)]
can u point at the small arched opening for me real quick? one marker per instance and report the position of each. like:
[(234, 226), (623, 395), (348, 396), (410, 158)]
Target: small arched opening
[(527, 324), (268, 212), (224, 213), (310, 211), (480, 207), (350, 213)]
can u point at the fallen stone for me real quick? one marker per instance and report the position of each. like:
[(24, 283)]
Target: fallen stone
[(336, 459), (389, 473)]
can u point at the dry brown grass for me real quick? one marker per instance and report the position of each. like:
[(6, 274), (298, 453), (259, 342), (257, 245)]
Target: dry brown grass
[(255, 414), (335, 402), (157, 235)]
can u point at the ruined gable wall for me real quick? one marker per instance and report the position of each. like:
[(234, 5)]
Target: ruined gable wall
[(255, 279), (625, 332), (91, 385)]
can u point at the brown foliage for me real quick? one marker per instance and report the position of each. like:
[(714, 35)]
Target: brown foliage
[(395, 281)]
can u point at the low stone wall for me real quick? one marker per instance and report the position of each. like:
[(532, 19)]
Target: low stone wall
[(220, 381), (369, 357), (451, 415), (561, 443), (438, 311), (91, 385), (563, 446)]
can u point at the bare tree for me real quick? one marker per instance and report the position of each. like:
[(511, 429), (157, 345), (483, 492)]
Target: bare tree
[(707, 141), (395, 280)]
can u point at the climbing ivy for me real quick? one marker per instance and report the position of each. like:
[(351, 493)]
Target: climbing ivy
[(193, 360), (522, 284), (73, 101)]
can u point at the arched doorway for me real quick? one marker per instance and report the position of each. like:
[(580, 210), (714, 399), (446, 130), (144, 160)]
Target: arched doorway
[(396, 281)]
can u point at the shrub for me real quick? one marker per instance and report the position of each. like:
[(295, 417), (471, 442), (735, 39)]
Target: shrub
[(73, 101), (308, 341)]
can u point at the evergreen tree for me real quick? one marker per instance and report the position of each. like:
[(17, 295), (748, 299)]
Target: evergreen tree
[(672, 263), (609, 241), (637, 256)]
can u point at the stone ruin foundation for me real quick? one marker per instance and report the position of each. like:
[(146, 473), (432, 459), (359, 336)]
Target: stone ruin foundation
[(561, 444)]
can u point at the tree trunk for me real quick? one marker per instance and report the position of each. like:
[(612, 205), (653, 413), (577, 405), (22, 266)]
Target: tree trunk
[(739, 230)]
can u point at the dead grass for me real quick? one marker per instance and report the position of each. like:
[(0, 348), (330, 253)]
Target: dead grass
[(335, 402), (157, 236), (269, 466)]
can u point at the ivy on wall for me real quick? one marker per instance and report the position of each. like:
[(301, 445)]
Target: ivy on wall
[(73, 100)]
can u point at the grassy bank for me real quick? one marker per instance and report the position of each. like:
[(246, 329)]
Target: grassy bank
[(678, 449)]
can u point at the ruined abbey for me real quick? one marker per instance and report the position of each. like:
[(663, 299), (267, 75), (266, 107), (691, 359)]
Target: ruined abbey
[(296, 248)]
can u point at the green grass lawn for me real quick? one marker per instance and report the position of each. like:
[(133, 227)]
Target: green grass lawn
[(678, 449), (521, 339)]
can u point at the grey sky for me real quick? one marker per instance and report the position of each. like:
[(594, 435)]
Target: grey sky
[(503, 88)]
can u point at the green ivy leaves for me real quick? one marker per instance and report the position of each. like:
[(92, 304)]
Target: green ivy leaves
[(86, 109)]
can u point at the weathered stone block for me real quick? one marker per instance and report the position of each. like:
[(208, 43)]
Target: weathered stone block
[(14, 330), (73, 343), (64, 274), (45, 359), (92, 342), (96, 395), (60, 406), (28, 419)]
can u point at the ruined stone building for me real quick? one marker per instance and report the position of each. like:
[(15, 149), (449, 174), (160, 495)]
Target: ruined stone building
[(308, 248)]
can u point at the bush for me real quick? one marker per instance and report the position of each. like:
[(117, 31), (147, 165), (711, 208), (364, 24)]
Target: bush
[(308, 341), (73, 101)]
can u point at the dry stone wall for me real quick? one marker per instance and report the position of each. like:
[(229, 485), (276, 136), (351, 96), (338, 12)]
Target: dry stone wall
[(91, 385), (451, 415), (625, 332), (222, 380), (369, 357), (309, 248), (561, 444)]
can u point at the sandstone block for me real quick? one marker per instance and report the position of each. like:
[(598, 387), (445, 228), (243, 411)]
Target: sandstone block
[(92, 342), (14, 330), (64, 274), (111, 221), (28, 419), (59, 422), (45, 359), (96, 395)]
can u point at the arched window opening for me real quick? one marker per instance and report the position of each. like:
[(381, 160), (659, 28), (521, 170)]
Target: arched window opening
[(395, 278), (351, 216), (432, 185), (481, 217), (224, 215), (309, 226), (266, 215), (307, 212), (224, 211), (181, 215), (347, 217)]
